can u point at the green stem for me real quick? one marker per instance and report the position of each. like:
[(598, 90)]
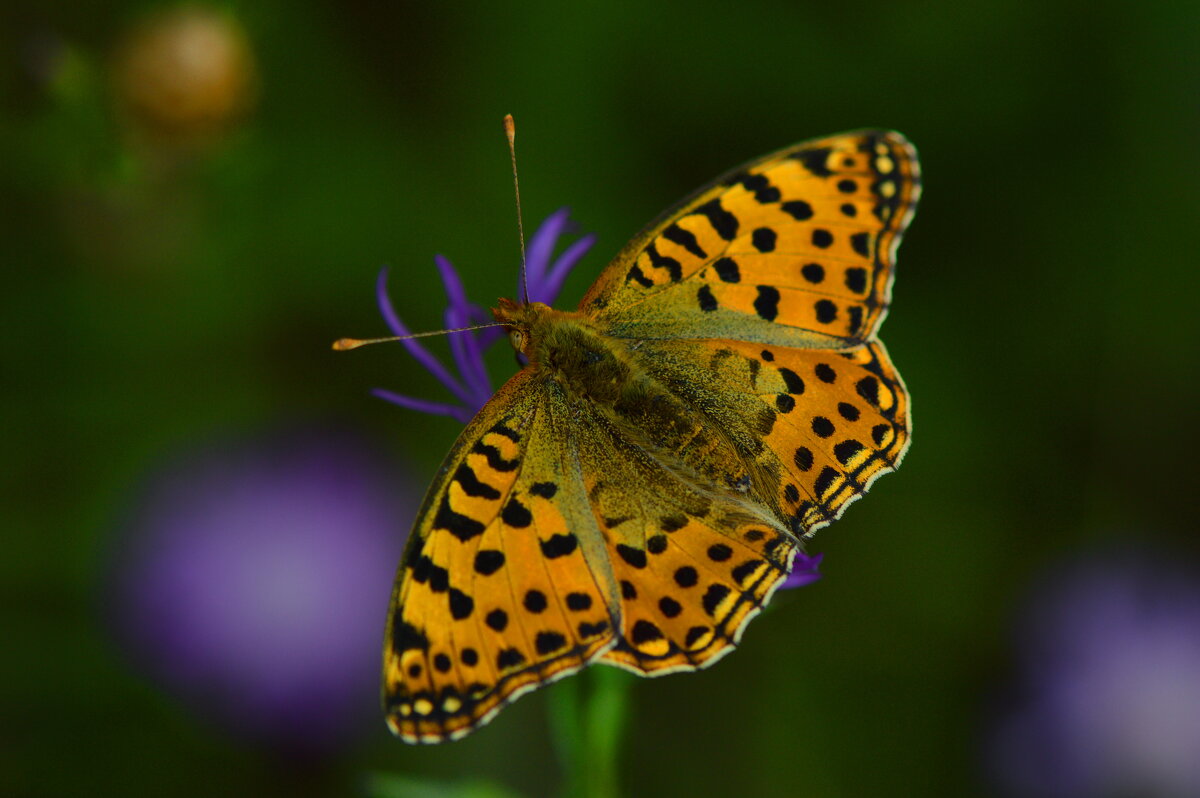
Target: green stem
[(587, 718)]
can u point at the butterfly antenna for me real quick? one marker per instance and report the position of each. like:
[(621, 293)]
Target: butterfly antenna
[(345, 344), (510, 130)]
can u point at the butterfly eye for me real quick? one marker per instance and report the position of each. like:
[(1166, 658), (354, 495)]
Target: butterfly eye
[(518, 339)]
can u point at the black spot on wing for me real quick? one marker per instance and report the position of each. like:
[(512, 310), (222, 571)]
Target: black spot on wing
[(669, 607), (471, 484), (798, 209), (497, 620), (713, 597), (578, 602), (719, 552), (856, 280), (461, 526), (645, 632), (672, 523), (795, 385), (635, 557), (846, 450), (509, 658), (758, 185), (815, 160), (803, 458), (587, 630), (677, 235), (516, 514), (861, 243), (868, 388), (488, 561), (826, 311), (825, 480), (638, 276), (495, 460), (723, 222), (856, 318), (672, 267), (549, 642), (461, 605), (506, 431), (535, 601), (763, 239), (686, 576), (766, 304), (559, 545), (704, 296), (405, 636), (727, 270)]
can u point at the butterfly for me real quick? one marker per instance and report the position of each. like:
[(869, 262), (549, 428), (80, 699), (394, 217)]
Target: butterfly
[(636, 492)]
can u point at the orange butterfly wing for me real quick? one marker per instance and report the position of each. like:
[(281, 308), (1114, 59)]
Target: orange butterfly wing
[(498, 591), (797, 248)]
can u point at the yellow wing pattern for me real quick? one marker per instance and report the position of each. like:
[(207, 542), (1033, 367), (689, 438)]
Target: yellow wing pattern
[(796, 249)]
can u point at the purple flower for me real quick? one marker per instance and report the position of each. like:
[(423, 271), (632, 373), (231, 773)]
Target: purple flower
[(804, 571), (1108, 702), (253, 579), (472, 388)]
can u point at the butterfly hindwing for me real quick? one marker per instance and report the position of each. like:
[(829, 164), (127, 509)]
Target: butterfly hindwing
[(497, 592), (795, 249), (829, 422), (693, 561)]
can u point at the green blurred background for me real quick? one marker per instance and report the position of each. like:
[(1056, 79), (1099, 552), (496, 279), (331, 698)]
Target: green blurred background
[(165, 284)]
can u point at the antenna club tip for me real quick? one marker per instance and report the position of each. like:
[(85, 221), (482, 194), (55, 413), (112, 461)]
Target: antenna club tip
[(346, 344), (510, 127)]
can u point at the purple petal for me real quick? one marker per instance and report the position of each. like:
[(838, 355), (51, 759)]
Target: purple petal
[(804, 571), (489, 335), (423, 355), (462, 414), (547, 290), (466, 351), (542, 243)]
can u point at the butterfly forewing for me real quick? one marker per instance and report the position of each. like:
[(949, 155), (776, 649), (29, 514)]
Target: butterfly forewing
[(796, 249)]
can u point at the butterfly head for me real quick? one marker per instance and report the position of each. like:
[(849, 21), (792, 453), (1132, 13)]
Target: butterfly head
[(522, 320)]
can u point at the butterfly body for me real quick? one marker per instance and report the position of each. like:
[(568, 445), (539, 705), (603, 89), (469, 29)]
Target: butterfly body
[(637, 491), (590, 366)]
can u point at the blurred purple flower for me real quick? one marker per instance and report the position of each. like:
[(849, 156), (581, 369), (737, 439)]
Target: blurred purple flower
[(254, 579), (1109, 697), (804, 571), (545, 275)]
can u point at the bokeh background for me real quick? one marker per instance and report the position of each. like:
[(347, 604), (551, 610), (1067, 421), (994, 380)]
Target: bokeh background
[(203, 505)]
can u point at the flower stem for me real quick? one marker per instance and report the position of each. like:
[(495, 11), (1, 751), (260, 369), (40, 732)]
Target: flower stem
[(587, 719)]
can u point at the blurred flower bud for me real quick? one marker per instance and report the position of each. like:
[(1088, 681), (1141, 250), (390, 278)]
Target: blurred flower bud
[(185, 75)]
